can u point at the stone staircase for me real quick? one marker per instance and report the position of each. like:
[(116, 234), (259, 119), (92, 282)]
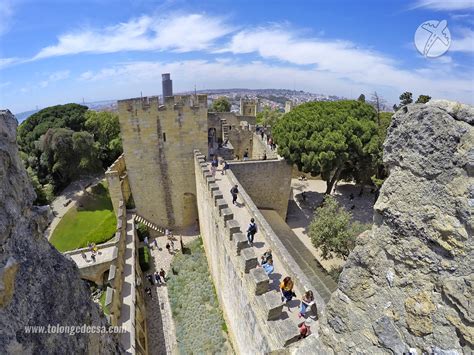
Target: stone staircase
[(151, 225)]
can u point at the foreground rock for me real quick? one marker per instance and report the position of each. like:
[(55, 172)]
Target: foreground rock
[(409, 284), (38, 286)]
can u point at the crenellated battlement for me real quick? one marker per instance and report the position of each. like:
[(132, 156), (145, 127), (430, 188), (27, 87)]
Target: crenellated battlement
[(137, 106), (249, 298)]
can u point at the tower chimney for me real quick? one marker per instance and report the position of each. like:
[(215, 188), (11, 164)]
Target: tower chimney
[(167, 85)]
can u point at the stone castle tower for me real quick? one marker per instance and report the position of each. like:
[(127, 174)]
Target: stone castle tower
[(248, 107), (158, 142)]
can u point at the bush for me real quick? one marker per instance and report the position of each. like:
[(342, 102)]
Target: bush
[(332, 230), (142, 232), (144, 258), (199, 322)]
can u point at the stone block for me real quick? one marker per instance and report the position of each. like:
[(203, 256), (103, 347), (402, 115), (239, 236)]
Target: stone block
[(227, 214), (232, 227), (272, 304), (221, 204), (240, 242), (259, 281), (210, 180), (119, 223), (115, 252), (109, 296), (112, 272), (249, 259), (217, 194), (213, 187), (287, 332)]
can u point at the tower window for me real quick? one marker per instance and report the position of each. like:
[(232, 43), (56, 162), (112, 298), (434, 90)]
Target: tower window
[(164, 137)]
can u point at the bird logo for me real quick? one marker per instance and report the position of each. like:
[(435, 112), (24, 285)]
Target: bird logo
[(432, 38)]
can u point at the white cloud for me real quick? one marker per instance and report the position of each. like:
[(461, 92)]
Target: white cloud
[(56, 76), (5, 62), (6, 14), (179, 33), (464, 43), (145, 76), (445, 4)]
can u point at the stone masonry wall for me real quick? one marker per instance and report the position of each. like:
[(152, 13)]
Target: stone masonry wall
[(268, 182), (117, 180), (158, 142), (253, 315)]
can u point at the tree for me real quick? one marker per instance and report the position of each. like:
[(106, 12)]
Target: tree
[(405, 99), (66, 155), (328, 138), (268, 117), (423, 99), (377, 102), (361, 98), (221, 104), (105, 128), (332, 231)]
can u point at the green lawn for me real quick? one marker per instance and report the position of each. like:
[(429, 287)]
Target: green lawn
[(102, 302), (94, 222)]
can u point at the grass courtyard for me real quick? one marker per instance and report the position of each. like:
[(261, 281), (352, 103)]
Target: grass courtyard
[(92, 220)]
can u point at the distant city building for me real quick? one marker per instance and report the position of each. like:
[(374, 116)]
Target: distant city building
[(167, 85)]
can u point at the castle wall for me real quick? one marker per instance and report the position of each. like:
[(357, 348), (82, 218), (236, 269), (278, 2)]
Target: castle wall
[(118, 184), (230, 269), (241, 139), (268, 182), (158, 142), (252, 311)]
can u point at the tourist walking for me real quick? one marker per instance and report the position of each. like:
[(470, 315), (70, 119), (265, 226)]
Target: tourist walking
[(251, 230), (148, 292), (268, 266), (93, 256), (163, 275), (145, 240), (157, 278), (84, 256), (214, 165), (225, 168), (150, 279), (234, 191), (306, 302), (155, 243), (246, 154), (264, 156), (168, 247), (286, 288), (172, 245)]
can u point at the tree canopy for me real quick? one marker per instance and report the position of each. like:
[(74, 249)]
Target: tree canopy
[(268, 116), (221, 104), (329, 138), (423, 99), (60, 143), (332, 231)]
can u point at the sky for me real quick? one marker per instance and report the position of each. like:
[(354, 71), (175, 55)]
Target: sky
[(60, 51)]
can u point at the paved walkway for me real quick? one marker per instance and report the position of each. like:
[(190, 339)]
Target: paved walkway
[(103, 255), (305, 259), (242, 215)]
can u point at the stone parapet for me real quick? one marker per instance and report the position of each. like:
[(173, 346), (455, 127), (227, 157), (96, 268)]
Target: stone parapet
[(251, 309)]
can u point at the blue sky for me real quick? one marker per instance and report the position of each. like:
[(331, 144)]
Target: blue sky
[(60, 51)]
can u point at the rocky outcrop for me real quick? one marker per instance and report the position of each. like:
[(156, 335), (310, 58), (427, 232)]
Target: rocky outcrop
[(408, 284), (38, 285)]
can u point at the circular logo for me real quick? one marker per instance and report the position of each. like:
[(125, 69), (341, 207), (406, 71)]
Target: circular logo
[(432, 38)]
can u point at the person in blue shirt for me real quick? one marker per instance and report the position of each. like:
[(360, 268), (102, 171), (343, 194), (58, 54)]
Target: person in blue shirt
[(268, 266)]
